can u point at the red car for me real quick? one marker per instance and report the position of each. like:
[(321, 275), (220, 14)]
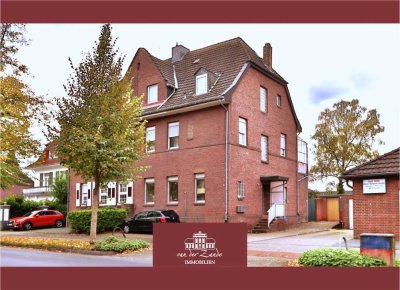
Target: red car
[(37, 218)]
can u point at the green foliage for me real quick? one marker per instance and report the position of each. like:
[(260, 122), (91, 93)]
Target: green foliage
[(101, 132), (344, 137), (20, 206), (59, 189), (120, 245), (397, 262), (19, 108), (338, 258), (108, 219)]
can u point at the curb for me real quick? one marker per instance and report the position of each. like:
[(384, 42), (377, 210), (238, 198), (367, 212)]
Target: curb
[(73, 251)]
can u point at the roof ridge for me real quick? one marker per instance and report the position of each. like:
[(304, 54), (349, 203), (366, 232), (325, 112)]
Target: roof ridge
[(211, 45), (370, 161)]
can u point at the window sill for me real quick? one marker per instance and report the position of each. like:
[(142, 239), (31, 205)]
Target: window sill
[(172, 203), (149, 204), (200, 203), (265, 162), (244, 146), (173, 148)]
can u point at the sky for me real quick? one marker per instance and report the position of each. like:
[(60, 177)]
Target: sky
[(323, 63)]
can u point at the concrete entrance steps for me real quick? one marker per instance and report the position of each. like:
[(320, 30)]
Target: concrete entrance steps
[(278, 224)]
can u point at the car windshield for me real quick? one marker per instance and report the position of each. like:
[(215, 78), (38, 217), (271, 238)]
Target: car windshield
[(28, 214)]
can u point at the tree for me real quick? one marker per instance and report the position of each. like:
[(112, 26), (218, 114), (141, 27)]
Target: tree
[(101, 132), (344, 138), (59, 189), (19, 108)]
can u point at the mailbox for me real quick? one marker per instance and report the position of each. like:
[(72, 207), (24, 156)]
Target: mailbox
[(379, 246), (4, 216)]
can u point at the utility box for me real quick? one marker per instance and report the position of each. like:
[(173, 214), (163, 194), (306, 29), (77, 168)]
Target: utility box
[(381, 246), (4, 216)]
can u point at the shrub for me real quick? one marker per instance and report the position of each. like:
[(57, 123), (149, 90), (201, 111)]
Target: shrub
[(120, 245), (397, 262), (107, 219), (338, 258)]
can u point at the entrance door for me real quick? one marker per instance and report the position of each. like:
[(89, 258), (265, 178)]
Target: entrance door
[(266, 197)]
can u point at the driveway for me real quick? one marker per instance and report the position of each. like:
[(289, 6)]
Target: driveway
[(277, 248)]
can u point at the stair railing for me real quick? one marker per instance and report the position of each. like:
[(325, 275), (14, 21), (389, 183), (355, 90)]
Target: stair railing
[(271, 214)]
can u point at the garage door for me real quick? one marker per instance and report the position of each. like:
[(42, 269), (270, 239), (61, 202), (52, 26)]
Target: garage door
[(333, 209)]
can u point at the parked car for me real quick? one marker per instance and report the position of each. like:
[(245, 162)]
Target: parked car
[(143, 221), (37, 218)]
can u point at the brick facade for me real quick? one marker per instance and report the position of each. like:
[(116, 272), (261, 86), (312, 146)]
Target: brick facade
[(202, 149), (377, 213)]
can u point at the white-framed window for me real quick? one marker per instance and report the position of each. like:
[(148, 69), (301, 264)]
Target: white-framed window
[(283, 145), (240, 190), (173, 135), (149, 191), (200, 188), (173, 189), (52, 154), (46, 179), (123, 191), (103, 195), (150, 139), (263, 99), (152, 94), (278, 100), (201, 84), (242, 132), (264, 148)]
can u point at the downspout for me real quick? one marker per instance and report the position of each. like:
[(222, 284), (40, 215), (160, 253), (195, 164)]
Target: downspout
[(297, 183), (226, 218)]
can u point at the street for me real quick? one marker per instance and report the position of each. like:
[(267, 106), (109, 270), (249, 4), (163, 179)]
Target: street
[(13, 257)]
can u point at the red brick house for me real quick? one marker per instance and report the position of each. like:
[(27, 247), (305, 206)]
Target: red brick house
[(376, 195), (222, 135)]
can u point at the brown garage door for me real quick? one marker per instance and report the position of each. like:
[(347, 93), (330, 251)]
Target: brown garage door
[(333, 209)]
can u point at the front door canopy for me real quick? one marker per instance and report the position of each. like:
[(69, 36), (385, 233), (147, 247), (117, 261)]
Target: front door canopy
[(268, 179)]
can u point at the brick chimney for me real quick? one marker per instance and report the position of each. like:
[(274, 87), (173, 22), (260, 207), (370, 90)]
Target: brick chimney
[(179, 52), (267, 55)]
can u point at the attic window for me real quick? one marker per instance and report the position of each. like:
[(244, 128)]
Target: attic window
[(196, 61), (201, 84)]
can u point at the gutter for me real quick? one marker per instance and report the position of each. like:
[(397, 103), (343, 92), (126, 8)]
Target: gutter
[(173, 92), (226, 217)]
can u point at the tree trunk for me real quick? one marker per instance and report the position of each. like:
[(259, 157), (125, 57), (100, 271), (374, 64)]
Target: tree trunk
[(95, 207), (340, 188)]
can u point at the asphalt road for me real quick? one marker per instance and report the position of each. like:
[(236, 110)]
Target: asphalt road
[(13, 257)]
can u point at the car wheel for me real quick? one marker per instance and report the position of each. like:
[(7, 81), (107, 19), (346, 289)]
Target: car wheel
[(126, 229), (27, 226), (59, 224)]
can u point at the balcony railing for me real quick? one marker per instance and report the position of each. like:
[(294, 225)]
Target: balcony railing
[(36, 190)]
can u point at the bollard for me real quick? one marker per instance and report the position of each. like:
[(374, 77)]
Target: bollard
[(379, 246)]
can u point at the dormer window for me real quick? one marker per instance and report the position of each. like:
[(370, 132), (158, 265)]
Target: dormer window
[(52, 154), (201, 84), (152, 94)]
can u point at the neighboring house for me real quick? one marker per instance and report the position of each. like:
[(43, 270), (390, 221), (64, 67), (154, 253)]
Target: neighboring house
[(17, 188), (222, 137), (44, 172), (376, 195)]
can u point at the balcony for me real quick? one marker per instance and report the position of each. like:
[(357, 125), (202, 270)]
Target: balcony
[(36, 190)]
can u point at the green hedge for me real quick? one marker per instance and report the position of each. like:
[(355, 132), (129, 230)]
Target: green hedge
[(107, 219), (20, 206), (120, 245), (338, 258)]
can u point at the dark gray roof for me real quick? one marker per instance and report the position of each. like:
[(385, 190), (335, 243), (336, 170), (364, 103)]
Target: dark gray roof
[(386, 164)]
